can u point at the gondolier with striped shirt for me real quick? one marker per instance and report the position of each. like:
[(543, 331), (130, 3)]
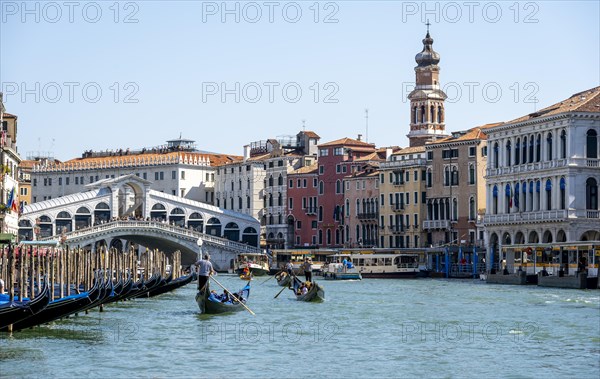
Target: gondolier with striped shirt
[(205, 270)]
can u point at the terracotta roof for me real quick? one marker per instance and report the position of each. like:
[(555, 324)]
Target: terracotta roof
[(27, 164), (375, 156), (410, 150), (586, 101), (476, 133), (151, 158), (347, 142), (306, 170), (310, 134)]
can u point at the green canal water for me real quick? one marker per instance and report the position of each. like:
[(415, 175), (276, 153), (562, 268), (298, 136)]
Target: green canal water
[(371, 328)]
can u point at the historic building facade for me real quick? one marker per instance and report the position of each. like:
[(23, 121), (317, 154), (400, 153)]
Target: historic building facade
[(361, 207), (303, 205), (258, 184), (456, 188), (402, 199), (176, 168), (9, 186), (543, 175)]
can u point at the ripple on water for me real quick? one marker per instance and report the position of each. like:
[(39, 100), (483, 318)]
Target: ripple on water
[(371, 328)]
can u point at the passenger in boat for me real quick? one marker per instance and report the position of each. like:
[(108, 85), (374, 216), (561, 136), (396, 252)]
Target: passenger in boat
[(205, 270), (544, 272), (214, 296), (308, 269), (304, 290), (300, 289)]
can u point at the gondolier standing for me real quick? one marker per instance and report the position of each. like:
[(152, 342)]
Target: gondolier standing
[(205, 270), (308, 269)]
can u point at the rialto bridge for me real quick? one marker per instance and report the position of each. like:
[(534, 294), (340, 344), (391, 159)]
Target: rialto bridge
[(123, 211)]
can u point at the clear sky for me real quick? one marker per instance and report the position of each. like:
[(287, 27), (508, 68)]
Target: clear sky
[(108, 75)]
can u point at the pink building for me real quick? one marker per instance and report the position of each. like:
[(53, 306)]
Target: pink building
[(302, 206)]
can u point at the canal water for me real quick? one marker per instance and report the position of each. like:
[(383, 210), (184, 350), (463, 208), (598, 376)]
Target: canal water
[(371, 328)]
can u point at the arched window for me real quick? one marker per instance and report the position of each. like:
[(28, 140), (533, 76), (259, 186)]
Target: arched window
[(454, 209), (563, 199), (357, 206), (338, 186), (279, 219), (591, 144), (423, 114), (548, 194), (347, 207), (270, 200), (591, 194), (321, 188), (328, 236), (320, 213), (247, 201), (549, 146), (516, 195), (429, 178), (472, 208), (496, 162), (447, 176), (563, 144), (495, 200), (471, 173), (531, 196), (524, 200), (508, 153), (270, 180), (279, 199), (440, 115), (524, 149), (240, 205), (508, 195), (280, 180), (454, 176), (530, 149), (320, 236), (518, 151), (415, 115), (432, 113)]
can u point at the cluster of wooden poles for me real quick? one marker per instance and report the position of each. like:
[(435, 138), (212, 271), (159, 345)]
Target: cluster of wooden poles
[(72, 269)]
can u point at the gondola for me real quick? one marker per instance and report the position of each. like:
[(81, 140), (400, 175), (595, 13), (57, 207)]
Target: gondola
[(62, 307), (146, 286), (122, 294), (15, 311), (209, 306), (172, 285), (315, 293), (283, 279)]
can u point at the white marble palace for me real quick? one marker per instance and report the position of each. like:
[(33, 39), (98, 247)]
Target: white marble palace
[(543, 175)]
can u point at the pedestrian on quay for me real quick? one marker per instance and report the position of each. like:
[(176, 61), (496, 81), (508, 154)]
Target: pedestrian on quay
[(205, 270)]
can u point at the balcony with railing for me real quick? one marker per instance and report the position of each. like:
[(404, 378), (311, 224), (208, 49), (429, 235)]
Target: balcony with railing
[(368, 216), (552, 215), (403, 163), (397, 207), (436, 224), (311, 210), (545, 165), (396, 229)]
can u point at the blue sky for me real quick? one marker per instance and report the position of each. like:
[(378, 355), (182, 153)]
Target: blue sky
[(164, 68)]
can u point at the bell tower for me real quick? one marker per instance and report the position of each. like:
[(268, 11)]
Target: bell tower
[(427, 99)]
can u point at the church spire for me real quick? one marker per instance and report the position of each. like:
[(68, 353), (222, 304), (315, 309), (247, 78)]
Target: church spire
[(427, 99)]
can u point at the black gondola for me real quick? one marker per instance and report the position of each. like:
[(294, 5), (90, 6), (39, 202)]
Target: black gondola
[(15, 311), (62, 307), (315, 292), (172, 285), (209, 305)]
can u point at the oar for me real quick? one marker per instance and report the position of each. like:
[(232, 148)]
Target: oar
[(239, 300), (279, 293), (271, 277)]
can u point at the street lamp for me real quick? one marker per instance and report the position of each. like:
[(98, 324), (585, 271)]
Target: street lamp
[(199, 243)]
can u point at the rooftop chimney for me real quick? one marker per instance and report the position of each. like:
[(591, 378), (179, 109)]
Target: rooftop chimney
[(360, 137), (246, 152), (388, 153)]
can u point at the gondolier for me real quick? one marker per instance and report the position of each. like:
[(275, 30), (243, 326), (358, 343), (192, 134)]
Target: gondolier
[(308, 269), (205, 270)]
